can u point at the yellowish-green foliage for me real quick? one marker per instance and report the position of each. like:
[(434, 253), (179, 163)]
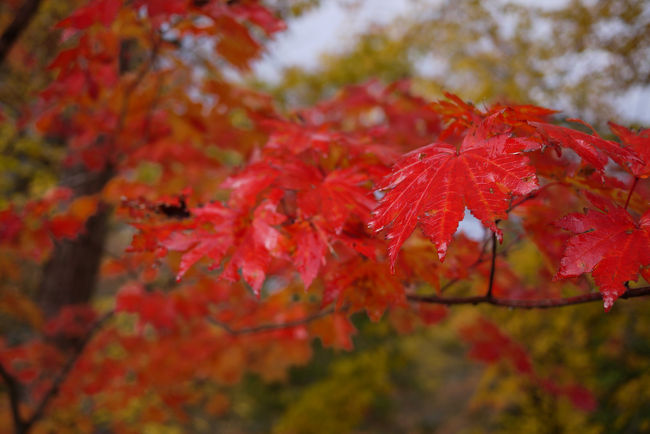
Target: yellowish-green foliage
[(24, 70), (376, 55), (340, 401), (26, 164), (627, 398)]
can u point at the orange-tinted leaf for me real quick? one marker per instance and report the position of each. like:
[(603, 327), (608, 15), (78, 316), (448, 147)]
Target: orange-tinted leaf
[(335, 331)]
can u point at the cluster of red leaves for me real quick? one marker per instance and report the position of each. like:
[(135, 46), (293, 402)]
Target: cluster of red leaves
[(306, 198), (313, 191), (302, 205), (303, 202), (490, 173)]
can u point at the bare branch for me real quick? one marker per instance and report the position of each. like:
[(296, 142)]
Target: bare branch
[(278, 326), (14, 399), (525, 304)]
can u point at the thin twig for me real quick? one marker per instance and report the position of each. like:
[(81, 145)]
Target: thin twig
[(504, 250), (522, 303)]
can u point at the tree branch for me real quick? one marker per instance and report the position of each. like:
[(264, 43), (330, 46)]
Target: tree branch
[(58, 381), (525, 304), (278, 326), (17, 26), (14, 399)]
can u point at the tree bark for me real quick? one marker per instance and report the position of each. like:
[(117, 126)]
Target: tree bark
[(20, 22), (70, 275)]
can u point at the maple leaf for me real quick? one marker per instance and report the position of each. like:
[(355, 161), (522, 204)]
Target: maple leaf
[(294, 138), (334, 331), (248, 184), (362, 284), (260, 242), (337, 198), (640, 143), (432, 185), (591, 148), (609, 243), (213, 242), (311, 247)]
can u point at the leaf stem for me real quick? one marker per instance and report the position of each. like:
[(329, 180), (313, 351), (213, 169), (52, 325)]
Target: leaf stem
[(492, 266), (629, 196)]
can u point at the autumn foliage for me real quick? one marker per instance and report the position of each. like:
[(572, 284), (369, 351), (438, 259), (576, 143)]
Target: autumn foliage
[(240, 233)]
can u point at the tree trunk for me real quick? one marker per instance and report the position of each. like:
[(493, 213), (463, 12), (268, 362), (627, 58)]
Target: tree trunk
[(20, 22), (70, 275)]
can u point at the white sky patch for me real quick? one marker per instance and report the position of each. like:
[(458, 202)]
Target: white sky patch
[(330, 28), (471, 226), (634, 105)]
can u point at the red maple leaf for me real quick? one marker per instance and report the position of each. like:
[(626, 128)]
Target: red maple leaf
[(640, 143), (260, 242), (609, 243), (337, 198), (311, 247), (212, 238), (590, 148), (432, 185)]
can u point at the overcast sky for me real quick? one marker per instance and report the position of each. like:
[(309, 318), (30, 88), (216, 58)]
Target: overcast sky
[(327, 29)]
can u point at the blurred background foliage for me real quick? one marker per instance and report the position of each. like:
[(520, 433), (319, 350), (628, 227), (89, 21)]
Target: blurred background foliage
[(28, 164), (580, 57), (424, 382)]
